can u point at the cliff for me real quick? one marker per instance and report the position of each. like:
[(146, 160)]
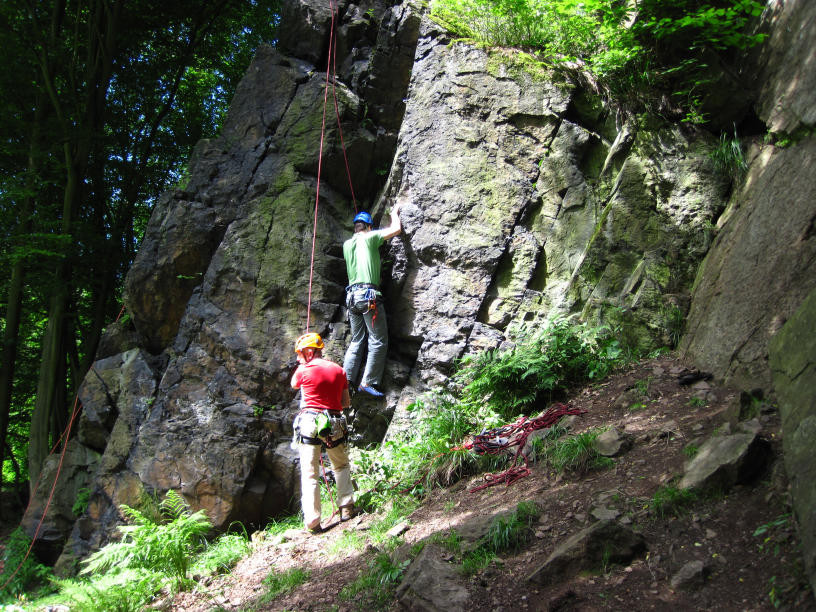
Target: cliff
[(526, 195)]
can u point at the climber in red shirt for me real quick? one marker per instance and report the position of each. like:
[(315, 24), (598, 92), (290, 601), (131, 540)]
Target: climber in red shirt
[(321, 422)]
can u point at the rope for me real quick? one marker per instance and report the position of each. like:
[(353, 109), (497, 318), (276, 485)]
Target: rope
[(501, 439), (337, 113), (319, 169), (331, 73), (66, 435)]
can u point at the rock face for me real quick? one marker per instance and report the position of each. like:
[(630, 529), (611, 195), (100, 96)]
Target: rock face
[(525, 197), (793, 361), (432, 584), (590, 549), (759, 271)]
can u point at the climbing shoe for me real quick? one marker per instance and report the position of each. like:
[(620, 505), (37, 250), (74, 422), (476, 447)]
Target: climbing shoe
[(348, 512), (371, 391)]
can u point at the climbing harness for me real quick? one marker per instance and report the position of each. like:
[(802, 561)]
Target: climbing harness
[(319, 427)]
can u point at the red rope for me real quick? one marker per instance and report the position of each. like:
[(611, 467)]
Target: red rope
[(319, 168), (331, 72), (339, 126), (499, 440), (66, 435)]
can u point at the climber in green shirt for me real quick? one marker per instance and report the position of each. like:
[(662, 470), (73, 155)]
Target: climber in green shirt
[(364, 301)]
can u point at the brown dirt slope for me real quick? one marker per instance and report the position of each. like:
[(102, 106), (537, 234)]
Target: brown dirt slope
[(743, 571)]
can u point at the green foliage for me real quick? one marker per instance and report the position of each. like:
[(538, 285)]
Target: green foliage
[(424, 456), (574, 453), (129, 590), (449, 539), (374, 588), (477, 559), (539, 367), (398, 510), (221, 554), (671, 501), (728, 157), (505, 533), (349, 541), (81, 501), (165, 548), (509, 532), (666, 45), (774, 533), (696, 402), (283, 524), (691, 450), (281, 583), (31, 576)]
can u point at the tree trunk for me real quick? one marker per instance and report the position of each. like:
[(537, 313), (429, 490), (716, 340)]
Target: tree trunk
[(10, 337), (49, 406)]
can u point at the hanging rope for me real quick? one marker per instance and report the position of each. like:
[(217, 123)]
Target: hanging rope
[(331, 75), (337, 114), (319, 169), (65, 435)]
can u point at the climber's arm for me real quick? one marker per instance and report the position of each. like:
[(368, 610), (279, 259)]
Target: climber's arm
[(396, 225)]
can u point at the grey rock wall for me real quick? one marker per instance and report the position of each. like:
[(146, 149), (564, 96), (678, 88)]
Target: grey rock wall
[(793, 363), (525, 197), (761, 265)]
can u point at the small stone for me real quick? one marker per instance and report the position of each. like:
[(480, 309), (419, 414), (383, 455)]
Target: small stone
[(398, 529), (710, 534), (692, 574), (580, 517)]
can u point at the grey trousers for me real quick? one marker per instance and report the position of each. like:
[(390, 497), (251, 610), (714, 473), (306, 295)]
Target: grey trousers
[(368, 328)]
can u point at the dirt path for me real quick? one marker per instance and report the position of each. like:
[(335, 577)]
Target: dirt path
[(743, 571)]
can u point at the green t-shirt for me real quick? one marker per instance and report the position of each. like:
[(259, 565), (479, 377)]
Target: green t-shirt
[(362, 254)]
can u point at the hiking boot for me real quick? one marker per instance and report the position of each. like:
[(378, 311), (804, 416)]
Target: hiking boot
[(348, 512), (371, 391), (314, 527)]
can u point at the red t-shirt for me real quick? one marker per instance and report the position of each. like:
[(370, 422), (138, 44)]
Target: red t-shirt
[(321, 382)]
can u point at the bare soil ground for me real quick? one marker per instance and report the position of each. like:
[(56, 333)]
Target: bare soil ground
[(745, 571)]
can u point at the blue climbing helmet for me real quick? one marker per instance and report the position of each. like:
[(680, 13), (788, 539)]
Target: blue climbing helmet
[(364, 217)]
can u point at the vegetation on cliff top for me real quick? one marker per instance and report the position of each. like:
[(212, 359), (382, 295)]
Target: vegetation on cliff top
[(637, 51)]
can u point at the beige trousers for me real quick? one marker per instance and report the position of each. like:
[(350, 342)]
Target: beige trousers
[(310, 479)]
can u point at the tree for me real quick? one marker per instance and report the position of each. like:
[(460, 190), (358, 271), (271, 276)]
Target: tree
[(125, 89)]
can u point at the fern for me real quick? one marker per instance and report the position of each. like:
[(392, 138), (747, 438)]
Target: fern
[(166, 548)]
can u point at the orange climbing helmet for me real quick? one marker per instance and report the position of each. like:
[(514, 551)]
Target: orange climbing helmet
[(310, 340)]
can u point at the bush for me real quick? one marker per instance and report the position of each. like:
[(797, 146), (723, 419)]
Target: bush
[(164, 548), (221, 554), (31, 575), (124, 591), (657, 44), (539, 368), (574, 453)]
